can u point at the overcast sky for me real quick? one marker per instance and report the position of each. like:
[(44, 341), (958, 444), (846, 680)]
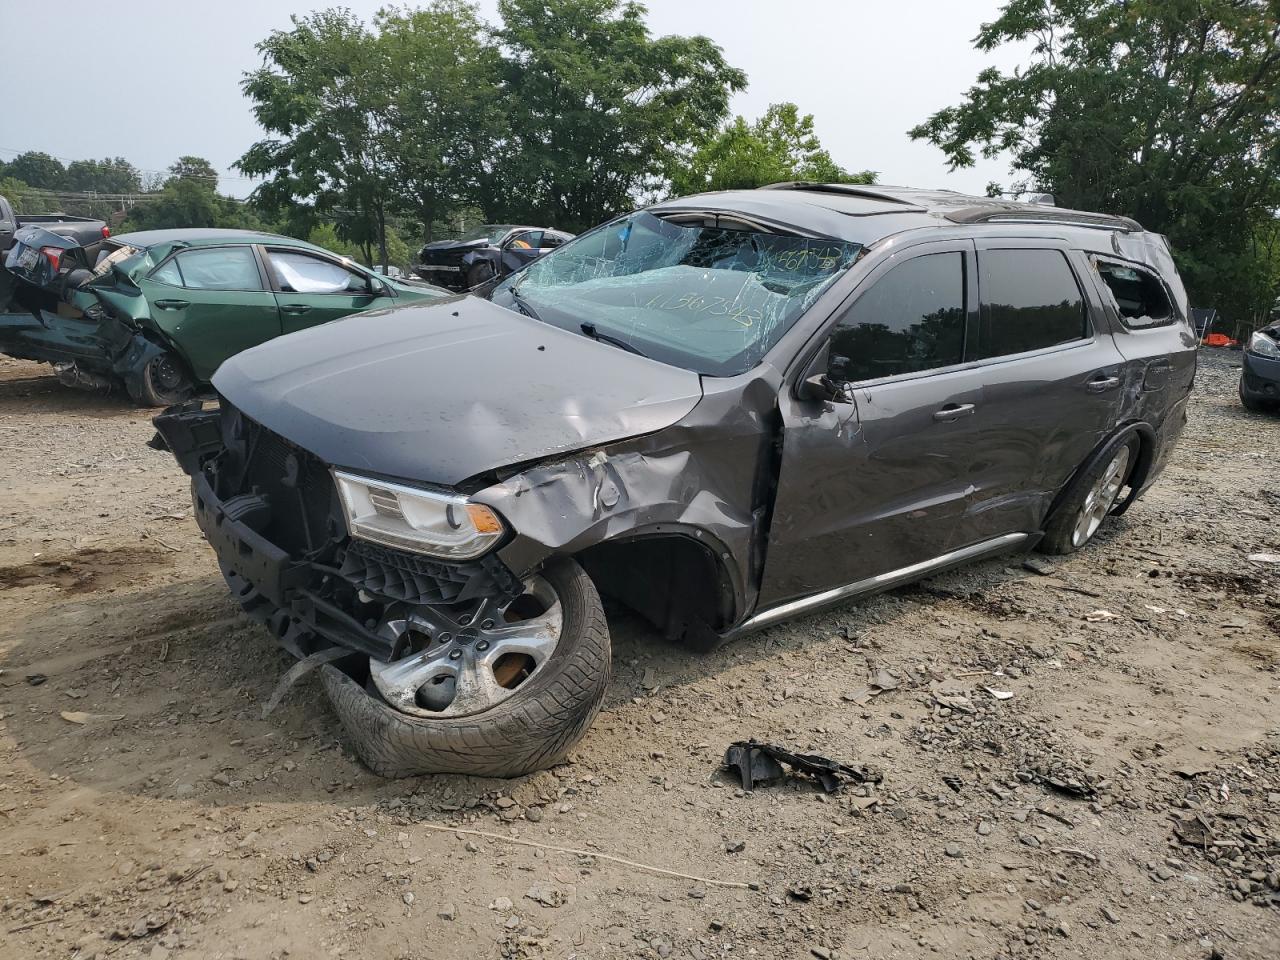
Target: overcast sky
[(150, 80)]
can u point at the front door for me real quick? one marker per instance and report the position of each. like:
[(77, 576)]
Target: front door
[(312, 289), (212, 302), (878, 484), (521, 249)]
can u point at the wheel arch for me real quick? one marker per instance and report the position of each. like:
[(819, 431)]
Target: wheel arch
[(1147, 442), (674, 577)]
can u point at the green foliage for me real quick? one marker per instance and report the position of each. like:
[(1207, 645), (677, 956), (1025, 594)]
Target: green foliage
[(21, 195), (326, 99), (595, 111), (189, 198), (565, 114), (194, 168), (326, 235), (109, 175), (780, 146), (444, 117), (1164, 110), (36, 169)]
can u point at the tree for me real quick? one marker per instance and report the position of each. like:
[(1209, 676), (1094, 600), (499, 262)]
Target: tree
[(109, 175), (325, 97), (441, 72), (194, 168), (1165, 110), (595, 112), (189, 198), (38, 170), (21, 195), (780, 146)]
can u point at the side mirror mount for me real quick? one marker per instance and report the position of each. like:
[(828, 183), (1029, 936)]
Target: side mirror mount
[(825, 379)]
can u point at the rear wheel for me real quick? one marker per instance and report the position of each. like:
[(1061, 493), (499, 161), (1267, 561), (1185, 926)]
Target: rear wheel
[(492, 690), (1092, 496), (164, 381)]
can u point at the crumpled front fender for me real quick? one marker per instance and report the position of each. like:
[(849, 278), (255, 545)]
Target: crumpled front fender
[(708, 477)]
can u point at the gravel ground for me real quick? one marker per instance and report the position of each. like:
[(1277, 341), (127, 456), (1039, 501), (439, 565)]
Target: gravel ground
[(1122, 801)]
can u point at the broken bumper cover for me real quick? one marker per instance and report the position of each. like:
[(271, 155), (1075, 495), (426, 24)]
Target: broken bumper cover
[(334, 590), (1261, 378)]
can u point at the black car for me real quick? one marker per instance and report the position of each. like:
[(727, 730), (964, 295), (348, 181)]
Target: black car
[(488, 251), (723, 411), (1260, 376)]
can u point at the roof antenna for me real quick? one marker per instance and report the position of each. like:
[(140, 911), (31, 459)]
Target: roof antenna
[(1044, 199)]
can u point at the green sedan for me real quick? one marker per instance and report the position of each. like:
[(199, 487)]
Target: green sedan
[(158, 311)]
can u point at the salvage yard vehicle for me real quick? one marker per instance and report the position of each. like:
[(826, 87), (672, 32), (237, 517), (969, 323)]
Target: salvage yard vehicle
[(86, 231), (156, 312), (1260, 375), (723, 411), (485, 253)]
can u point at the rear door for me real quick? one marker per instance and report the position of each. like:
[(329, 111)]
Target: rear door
[(879, 484), (212, 302), (1052, 383), (1155, 336), (311, 288)]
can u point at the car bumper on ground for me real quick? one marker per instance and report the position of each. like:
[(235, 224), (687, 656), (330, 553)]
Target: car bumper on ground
[(1261, 377)]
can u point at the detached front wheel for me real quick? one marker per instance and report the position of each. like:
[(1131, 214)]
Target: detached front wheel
[(494, 690)]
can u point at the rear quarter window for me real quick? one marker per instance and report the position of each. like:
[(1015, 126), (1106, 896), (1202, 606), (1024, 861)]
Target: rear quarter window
[(1139, 298), (1029, 301)]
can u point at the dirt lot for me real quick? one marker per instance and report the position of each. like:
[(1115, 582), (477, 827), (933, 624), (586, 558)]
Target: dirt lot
[(1123, 802)]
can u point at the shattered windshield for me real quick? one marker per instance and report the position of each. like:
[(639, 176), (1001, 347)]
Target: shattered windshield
[(493, 232), (707, 298)]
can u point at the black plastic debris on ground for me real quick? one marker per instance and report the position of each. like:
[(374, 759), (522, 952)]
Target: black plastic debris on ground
[(762, 763)]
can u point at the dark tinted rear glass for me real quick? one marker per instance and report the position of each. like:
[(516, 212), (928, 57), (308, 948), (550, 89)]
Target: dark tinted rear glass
[(912, 319), (1030, 300)]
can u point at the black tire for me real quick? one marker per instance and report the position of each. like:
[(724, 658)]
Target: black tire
[(1252, 403), (1060, 532), (531, 730), (480, 272), (164, 382)]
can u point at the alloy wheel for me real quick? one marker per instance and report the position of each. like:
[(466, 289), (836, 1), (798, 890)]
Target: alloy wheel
[(1102, 497), (456, 664)]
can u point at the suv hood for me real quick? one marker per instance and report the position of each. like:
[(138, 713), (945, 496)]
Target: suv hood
[(442, 392)]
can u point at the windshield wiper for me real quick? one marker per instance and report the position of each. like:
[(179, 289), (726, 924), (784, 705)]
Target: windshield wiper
[(590, 330)]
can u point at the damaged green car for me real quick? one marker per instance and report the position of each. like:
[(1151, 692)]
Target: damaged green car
[(157, 312)]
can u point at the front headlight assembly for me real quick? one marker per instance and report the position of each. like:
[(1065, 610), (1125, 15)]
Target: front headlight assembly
[(436, 524), (1264, 346)]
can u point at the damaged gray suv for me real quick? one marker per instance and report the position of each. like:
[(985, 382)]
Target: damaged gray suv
[(721, 411)]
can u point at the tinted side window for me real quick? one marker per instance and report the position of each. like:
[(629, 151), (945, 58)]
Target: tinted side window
[(1030, 300), (911, 319), (218, 268)]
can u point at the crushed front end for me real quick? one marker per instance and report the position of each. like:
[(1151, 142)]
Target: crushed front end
[(272, 513)]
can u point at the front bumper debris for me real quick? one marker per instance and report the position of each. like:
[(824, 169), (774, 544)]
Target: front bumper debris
[(331, 585), (1261, 377)]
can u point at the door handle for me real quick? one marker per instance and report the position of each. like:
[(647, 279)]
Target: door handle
[(1102, 384), (953, 411), (294, 308), (171, 304)]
